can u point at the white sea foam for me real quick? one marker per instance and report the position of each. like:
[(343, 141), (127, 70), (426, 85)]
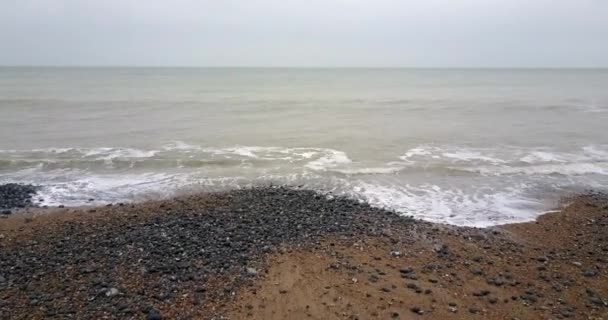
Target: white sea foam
[(453, 206), (567, 169), (504, 155), (308, 154), (451, 154), (242, 151), (109, 188), (596, 152), (323, 157), (52, 150), (116, 153), (180, 145), (466, 155), (482, 206), (330, 159), (430, 183), (370, 170), (541, 156)]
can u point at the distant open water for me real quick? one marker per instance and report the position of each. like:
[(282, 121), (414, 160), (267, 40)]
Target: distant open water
[(467, 147)]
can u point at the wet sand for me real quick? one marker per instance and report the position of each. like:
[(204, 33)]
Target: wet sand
[(291, 254)]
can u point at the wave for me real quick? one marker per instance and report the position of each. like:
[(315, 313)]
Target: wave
[(172, 155), (592, 159), (455, 206), (442, 183), (329, 160), (466, 202), (118, 153), (101, 189), (471, 156), (483, 206), (504, 160), (568, 169), (369, 170)]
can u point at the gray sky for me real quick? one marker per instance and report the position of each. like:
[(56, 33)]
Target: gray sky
[(414, 33)]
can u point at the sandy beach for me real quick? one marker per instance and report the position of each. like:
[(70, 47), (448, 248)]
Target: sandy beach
[(279, 253)]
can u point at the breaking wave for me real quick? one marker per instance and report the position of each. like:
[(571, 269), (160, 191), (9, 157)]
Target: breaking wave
[(451, 184)]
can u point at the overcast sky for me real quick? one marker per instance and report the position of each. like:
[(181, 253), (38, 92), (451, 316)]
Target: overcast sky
[(373, 33)]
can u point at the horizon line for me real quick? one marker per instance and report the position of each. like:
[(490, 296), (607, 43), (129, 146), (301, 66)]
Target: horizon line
[(312, 67)]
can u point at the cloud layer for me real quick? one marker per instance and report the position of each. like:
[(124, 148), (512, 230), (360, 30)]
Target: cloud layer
[(382, 33)]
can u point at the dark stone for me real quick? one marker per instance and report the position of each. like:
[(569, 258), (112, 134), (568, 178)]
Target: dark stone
[(13, 195), (406, 270), (481, 293), (590, 273), (477, 272), (154, 315), (417, 310), (412, 286), (598, 301)]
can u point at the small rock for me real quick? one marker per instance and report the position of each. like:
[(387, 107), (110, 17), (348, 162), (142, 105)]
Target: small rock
[(406, 270), (154, 315), (529, 298), (412, 286), (417, 310), (590, 273), (477, 272), (252, 271), (112, 292), (497, 281), (598, 301), (481, 293)]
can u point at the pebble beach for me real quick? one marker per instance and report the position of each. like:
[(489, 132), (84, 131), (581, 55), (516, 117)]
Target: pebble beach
[(285, 253)]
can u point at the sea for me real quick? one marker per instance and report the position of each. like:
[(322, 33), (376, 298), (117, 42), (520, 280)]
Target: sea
[(470, 147)]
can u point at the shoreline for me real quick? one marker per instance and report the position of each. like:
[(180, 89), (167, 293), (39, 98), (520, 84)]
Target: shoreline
[(28, 203), (276, 253)]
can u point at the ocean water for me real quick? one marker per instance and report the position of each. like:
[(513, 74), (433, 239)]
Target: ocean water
[(466, 147)]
